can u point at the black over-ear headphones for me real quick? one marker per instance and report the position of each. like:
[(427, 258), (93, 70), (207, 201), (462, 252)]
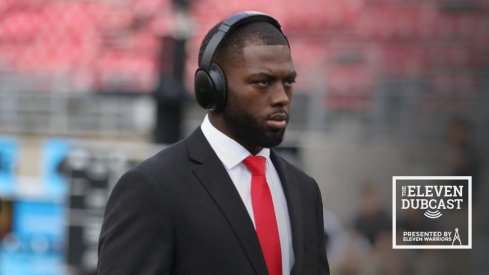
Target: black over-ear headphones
[(210, 81)]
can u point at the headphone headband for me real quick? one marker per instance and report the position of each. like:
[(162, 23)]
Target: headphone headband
[(228, 25)]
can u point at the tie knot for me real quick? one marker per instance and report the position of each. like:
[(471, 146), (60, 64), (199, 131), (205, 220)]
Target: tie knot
[(256, 165)]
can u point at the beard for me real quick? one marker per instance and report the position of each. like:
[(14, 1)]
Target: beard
[(247, 128)]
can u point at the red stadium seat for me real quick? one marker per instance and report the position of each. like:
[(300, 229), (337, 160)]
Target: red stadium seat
[(118, 42)]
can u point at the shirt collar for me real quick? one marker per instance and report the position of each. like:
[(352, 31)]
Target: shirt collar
[(230, 152)]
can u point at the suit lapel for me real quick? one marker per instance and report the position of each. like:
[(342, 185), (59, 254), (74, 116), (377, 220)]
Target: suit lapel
[(215, 179), (292, 195)]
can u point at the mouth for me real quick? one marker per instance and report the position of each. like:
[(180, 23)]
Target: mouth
[(278, 120)]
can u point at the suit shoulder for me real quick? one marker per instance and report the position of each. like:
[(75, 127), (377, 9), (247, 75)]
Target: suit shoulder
[(165, 160)]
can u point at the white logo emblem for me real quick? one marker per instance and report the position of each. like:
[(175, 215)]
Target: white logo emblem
[(434, 201)]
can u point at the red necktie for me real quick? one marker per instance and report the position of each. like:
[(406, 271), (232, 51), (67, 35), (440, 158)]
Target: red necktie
[(264, 213)]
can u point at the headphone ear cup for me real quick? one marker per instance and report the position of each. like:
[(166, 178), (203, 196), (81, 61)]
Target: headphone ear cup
[(210, 88), (204, 89), (219, 82)]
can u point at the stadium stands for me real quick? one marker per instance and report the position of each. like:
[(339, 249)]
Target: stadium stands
[(349, 45)]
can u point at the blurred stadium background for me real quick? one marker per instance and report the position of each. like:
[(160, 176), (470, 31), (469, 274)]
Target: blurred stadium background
[(386, 87)]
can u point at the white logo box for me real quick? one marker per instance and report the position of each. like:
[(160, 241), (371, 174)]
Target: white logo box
[(394, 208)]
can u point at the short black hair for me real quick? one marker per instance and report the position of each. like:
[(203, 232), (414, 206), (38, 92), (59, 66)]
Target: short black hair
[(233, 43)]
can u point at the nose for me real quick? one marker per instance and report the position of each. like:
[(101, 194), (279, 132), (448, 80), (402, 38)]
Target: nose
[(281, 95)]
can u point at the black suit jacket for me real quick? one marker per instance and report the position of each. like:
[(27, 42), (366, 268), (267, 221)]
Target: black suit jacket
[(179, 213)]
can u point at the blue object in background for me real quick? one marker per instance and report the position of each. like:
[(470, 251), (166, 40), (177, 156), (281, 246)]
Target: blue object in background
[(42, 221), (9, 148), (29, 263), (37, 242), (53, 153)]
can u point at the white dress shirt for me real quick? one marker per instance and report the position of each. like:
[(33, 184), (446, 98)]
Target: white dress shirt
[(232, 154)]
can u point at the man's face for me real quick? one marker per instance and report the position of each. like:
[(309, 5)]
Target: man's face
[(260, 88)]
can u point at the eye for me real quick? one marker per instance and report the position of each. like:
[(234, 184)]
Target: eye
[(289, 82), (262, 83)]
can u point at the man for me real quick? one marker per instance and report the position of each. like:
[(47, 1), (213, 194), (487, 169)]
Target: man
[(221, 202)]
